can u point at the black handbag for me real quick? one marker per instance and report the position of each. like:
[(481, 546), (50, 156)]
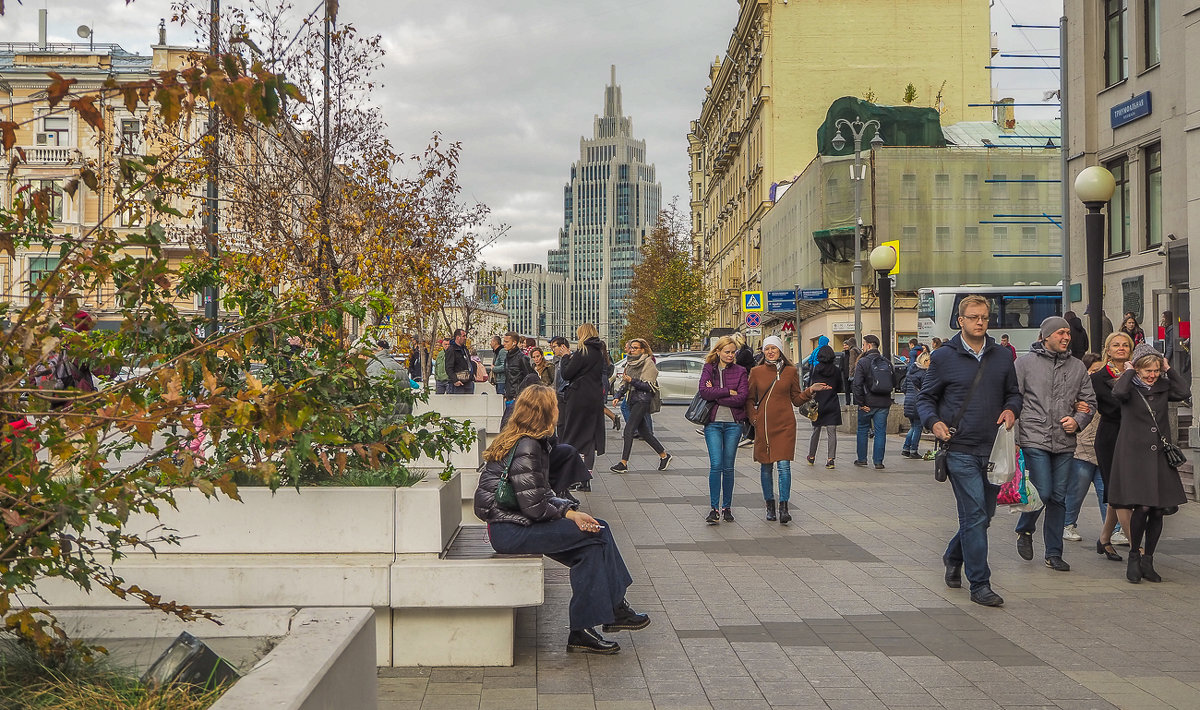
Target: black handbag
[(941, 459), (506, 496), (1174, 454), (699, 410)]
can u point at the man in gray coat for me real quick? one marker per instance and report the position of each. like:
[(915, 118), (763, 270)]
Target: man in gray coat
[(1051, 383)]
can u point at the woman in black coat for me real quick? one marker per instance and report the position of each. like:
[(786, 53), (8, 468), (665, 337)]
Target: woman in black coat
[(1118, 348), (583, 401), (545, 524), (829, 408), (1141, 478), (912, 387)]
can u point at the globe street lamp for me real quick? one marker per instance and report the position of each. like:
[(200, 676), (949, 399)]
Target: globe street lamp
[(883, 260), (857, 128), (1094, 186)]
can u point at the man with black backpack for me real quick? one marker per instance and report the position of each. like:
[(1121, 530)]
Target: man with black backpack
[(873, 385)]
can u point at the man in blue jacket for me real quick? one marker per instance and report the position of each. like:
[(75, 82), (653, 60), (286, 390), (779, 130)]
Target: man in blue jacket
[(995, 401)]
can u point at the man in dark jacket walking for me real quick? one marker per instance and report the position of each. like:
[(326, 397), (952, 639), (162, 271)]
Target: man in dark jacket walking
[(1079, 335), (459, 368), (516, 367), (943, 400), (873, 406)]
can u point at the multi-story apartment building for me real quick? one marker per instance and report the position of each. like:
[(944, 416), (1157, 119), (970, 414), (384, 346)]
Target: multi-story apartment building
[(610, 206), (786, 62), (535, 300), (981, 208), (1132, 102)]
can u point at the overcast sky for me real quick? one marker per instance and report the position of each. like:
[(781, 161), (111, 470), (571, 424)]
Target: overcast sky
[(518, 81)]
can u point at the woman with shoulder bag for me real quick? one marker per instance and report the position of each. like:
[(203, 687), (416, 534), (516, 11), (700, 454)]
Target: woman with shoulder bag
[(640, 386), (912, 386), (724, 383), (583, 398), (536, 521), (1144, 477), (774, 390), (829, 410)]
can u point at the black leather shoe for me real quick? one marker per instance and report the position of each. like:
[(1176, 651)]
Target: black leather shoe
[(1148, 573), (954, 576), (1133, 569), (586, 487), (1025, 545), (626, 619), (987, 597), (588, 641), (859, 463), (785, 516), (1108, 551), (1056, 563), (771, 510)]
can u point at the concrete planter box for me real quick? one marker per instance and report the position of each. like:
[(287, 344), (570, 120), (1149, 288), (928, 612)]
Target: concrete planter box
[(485, 410)]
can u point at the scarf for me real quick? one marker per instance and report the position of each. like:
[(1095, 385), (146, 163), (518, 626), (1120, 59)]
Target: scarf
[(643, 368), (812, 358), (1138, 382)]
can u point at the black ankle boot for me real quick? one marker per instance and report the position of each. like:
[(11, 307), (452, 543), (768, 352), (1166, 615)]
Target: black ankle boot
[(770, 510), (784, 516), (626, 619), (1148, 573), (588, 641), (1133, 572)]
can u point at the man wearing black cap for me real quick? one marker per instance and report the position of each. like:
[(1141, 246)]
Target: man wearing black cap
[(1051, 383)]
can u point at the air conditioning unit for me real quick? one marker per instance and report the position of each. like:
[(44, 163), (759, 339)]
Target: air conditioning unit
[(43, 138)]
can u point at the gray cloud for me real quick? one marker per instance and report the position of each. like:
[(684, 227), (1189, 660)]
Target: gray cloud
[(518, 82)]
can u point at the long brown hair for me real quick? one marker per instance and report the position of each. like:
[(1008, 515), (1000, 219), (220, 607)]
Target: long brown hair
[(535, 413)]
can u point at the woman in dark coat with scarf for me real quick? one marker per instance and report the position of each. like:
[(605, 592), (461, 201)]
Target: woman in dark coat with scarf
[(545, 523), (829, 409), (583, 400), (774, 390), (912, 386), (639, 386), (1141, 478)]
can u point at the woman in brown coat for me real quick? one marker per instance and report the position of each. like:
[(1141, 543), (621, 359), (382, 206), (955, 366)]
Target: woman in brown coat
[(774, 390)]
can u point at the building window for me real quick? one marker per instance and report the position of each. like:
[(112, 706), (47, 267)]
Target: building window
[(941, 239), (56, 197), (1029, 239), (941, 186), (831, 191), (55, 131), (970, 187), (908, 186), (1029, 187), (131, 136), (970, 238), (40, 267), (1151, 27), (1000, 186), (1118, 209), (1116, 59), (999, 240), (1153, 161)]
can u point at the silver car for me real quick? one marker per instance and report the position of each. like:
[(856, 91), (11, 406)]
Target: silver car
[(679, 376)]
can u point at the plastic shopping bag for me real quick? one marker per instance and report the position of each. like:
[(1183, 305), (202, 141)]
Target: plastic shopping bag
[(1002, 464), (1032, 502)]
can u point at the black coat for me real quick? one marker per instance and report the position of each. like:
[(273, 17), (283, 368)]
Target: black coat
[(458, 360), (745, 358), (863, 396), (1140, 474), (516, 369), (1079, 338), (583, 401), (912, 386), (951, 371), (829, 407), (529, 475)]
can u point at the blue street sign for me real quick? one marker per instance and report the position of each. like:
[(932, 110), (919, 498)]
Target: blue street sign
[(786, 295), (814, 294), (777, 306), (1131, 110)]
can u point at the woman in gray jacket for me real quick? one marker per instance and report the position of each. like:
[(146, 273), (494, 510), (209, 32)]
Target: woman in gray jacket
[(544, 524)]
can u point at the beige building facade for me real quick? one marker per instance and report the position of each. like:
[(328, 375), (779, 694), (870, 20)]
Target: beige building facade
[(785, 64), (1132, 93)]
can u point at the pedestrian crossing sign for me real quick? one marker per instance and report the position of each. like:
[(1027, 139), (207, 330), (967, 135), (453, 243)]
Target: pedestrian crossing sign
[(753, 302)]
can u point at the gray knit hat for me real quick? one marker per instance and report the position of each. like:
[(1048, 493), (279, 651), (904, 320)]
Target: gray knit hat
[(1142, 350), (1052, 324)]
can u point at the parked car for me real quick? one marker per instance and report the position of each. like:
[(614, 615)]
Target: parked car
[(679, 376)]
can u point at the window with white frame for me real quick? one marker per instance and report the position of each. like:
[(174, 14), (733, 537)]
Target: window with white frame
[(55, 131), (1029, 239), (908, 186), (131, 136), (971, 187), (999, 239), (941, 186), (971, 238), (941, 239), (1029, 187), (40, 267)]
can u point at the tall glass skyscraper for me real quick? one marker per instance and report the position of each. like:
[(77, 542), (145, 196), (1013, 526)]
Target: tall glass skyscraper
[(610, 206)]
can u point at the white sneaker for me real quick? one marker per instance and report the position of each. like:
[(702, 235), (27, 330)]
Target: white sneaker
[(1071, 533), (1119, 538)]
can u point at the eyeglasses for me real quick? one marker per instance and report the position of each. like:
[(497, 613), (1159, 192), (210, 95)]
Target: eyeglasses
[(976, 319), (635, 346)]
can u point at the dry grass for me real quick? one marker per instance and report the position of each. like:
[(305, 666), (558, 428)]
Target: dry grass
[(39, 688)]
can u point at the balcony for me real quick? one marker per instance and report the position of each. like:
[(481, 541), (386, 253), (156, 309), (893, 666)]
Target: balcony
[(49, 155)]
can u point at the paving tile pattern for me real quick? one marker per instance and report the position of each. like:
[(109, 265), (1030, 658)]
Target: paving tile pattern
[(844, 608)]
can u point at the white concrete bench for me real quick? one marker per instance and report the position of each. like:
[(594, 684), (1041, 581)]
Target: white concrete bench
[(484, 410), (382, 548)]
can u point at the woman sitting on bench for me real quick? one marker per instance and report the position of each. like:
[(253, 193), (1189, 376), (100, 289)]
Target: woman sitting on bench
[(545, 524)]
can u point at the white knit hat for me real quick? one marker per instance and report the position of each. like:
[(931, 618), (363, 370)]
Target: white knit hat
[(772, 340)]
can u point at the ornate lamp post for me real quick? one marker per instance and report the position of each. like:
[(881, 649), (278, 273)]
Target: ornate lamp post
[(857, 129), (883, 259), (1094, 186)]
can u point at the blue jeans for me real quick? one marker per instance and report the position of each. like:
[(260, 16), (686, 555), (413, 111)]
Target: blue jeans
[(785, 480), (722, 440), (599, 577), (976, 499), (912, 442), (500, 388), (1051, 476), (1084, 474), (877, 417)]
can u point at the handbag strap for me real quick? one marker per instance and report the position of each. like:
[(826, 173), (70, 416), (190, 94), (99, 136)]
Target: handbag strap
[(508, 462), (1153, 418), (967, 401)]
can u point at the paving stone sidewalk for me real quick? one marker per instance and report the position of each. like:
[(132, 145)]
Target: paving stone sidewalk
[(844, 608)]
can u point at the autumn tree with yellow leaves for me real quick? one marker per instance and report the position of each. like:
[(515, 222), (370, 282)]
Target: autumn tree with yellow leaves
[(667, 303)]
